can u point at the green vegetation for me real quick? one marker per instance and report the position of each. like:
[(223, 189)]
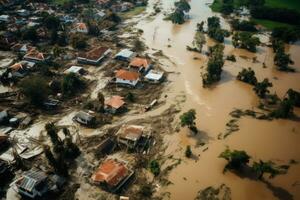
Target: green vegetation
[(247, 76), (236, 159), (214, 29), (188, 119), (281, 59), (290, 4), (294, 96), (261, 167), (35, 89), (245, 40), (261, 88), (271, 24), (177, 16), (154, 167), (199, 41), (71, 83), (78, 41), (214, 65)]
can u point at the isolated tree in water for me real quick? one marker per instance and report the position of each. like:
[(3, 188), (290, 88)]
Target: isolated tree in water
[(261, 88), (188, 151), (188, 119), (236, 159), (199, 40)]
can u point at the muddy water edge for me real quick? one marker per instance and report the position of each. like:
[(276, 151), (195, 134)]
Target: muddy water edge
[(276, 140)]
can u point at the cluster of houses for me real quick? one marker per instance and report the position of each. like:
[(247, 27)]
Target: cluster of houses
[(112, 172)]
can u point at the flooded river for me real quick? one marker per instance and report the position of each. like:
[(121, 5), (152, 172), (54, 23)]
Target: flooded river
[(276, 140)]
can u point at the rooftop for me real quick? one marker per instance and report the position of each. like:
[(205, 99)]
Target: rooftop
[(139, 62), (115, 102), (127, 75)]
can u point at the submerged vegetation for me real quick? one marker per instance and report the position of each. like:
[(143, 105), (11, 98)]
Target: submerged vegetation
[(214, 29), (178, 15), (214, 65)]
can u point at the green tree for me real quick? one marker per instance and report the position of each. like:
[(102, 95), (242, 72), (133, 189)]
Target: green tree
[(35, 89), (188, 119), (269, 167), (177, 17), (284, 110), (199, 40), (236, 159), (154, 167), (78, 41), (182, 5), (245, 40), (146, 191), (247, 76), (261, 88), (71, 83)]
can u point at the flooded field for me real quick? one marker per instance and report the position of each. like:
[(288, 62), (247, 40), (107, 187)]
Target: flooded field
[(275, 140)]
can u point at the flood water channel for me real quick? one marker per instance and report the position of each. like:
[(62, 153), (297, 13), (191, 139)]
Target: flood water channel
[(276, 140)]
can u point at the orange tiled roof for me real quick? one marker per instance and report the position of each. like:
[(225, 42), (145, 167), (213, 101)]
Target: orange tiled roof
[(127, 75), (81, 26), (34, 54), (16, 66), (95, 53), (111, 171), (115, 102), (139, 62)]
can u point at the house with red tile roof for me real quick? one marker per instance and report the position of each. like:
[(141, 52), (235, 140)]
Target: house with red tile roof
[(130, 135), (114, 104), (112, 174), (127, 77), (81, 28), (140, 64), (93, 56), (35, 56)]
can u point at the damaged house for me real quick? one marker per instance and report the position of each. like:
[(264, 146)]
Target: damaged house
[(141, 65), (93, 56), (133, 136), (112, 174), (115, 104)]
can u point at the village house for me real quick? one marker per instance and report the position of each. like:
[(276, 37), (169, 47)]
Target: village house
[(154, 76), (76, 70), (4, 18), (84, 118), (115, 104), (32, 184), (81, 28), (130, 135), (93, 56), (35, 184), (22, 48), (35, 56), (112, 174), (127, 77), (141, 65), (23, 12), (125, 55)]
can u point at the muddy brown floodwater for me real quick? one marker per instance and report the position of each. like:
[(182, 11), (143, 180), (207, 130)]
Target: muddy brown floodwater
[(276, 140)]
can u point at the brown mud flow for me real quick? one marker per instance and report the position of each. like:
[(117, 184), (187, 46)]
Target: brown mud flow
[(276, 140)]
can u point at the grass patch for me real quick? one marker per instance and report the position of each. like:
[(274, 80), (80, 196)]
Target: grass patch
[(291, 4), (270, 24), (133, 12)]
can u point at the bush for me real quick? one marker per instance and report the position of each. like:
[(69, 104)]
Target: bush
[(245, 40), (154, 167), (35, 88), (247, 76), (78, 41), (236, 159), (71, 83)]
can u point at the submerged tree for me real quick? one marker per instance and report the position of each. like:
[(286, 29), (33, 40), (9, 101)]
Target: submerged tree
[(261, 88), (284, 110), (236, 159), (245, 40), (294, 96), (214, 29), (199, 41), (214, 65), (269, 167), (177, 16), (247, 76), (188, 119), (154, 167)]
